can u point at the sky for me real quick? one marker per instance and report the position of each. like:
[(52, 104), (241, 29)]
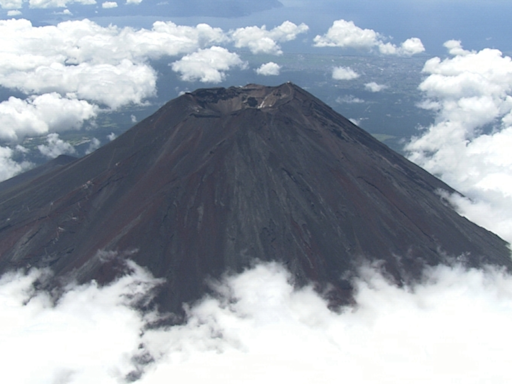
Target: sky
[(66, 66)]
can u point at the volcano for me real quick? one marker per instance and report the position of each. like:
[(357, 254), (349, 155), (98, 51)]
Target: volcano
[(218, 179)]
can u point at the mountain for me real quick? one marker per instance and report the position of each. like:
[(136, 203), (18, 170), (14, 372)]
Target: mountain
[(28, 176), (219, 178)]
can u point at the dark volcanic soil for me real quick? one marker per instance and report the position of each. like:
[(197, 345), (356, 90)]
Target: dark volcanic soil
[(218, 178)]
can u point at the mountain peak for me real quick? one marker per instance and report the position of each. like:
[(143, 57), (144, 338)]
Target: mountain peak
[(221, 177), (230, 100)]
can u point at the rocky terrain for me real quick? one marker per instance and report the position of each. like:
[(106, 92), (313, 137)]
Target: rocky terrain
[(219, 178)]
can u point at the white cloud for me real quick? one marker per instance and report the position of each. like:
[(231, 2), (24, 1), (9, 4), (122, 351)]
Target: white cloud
[(349, 99), (8, 166), (66, 336), (269, 69), (40, 115), (133, 1), (106, 65), (261, 40), (11, 4), (112, 85), (452, 327), (345, 34), (407, 48), (469, 144), (344, 73), (93, 145), (109, 4), (57, 3), (55, 146), (411, 47), (207, 65), (13, 13), (357, 121), (455, 48), (374, 87), (111, 136), (167, 38)]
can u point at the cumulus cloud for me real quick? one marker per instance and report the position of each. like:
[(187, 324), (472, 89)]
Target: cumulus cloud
[(109, 4), (39, 115), (64, 12), (11, 4), (70, 69), (409, 47), (345, 34), (349, 99), (261, 40), (93, 145), (207, 65), (259, 328), (269, 69), (13, 13), (112, 85), (344, 73), (469, 144), (374, 87), (167, 38), (64, 338), (55, 146), (107, 65), (10, 167)]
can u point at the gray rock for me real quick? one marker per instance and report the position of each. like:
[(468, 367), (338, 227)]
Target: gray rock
[(219, 178)]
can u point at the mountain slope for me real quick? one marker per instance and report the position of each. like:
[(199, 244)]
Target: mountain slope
[(218, 178)]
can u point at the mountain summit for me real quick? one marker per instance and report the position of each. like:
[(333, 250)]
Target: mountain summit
[(219, 178)]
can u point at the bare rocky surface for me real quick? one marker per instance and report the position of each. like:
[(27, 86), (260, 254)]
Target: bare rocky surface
[(219, 178)]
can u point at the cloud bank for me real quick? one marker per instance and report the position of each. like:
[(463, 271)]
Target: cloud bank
[(106, 65), (453, 327), (9, 167), (469, 144), (39, 115), (109, 65), (261, 40), (345, 34), (72, 71), (61, 342)]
